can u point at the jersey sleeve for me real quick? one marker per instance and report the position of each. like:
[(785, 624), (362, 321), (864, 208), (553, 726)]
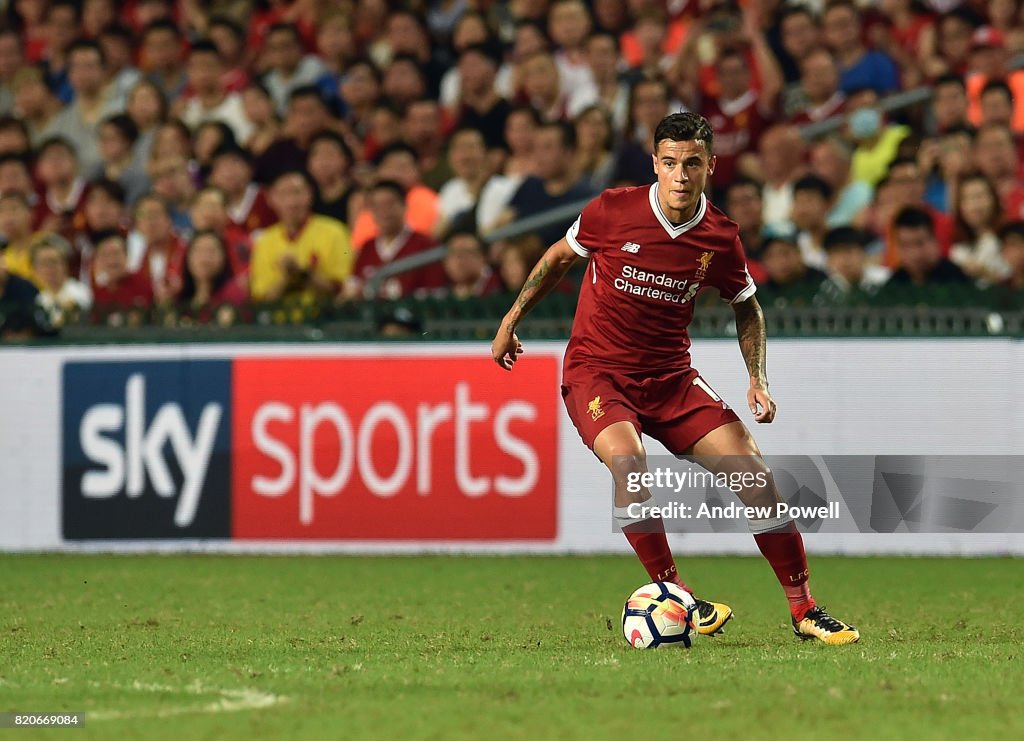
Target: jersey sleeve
[(733, 280), (584, 236)]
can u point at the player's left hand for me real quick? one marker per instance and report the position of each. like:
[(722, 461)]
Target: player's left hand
[(761, 404), (506, 347)]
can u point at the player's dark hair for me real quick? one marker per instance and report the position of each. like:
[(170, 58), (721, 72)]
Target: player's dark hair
[(1013, 228), (912, 217), (845, 236), (814, 184), (687, 126), (391, 185)]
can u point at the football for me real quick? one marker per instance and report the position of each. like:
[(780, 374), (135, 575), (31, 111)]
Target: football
[(660, 614)]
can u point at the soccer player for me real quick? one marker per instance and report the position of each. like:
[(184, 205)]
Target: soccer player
[(627, 365)]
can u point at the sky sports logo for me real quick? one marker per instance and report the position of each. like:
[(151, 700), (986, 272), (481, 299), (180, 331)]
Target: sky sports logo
[(146, 449), (309, 448)]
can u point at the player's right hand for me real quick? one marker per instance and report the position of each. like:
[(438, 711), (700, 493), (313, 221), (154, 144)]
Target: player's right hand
[(506, 347)]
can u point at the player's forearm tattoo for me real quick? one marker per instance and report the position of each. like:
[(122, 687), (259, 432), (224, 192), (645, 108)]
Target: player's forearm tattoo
[(534, 282), (544, 277), (750, 330)]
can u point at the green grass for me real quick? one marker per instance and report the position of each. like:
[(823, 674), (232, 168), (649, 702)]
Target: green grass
[(530, 648)]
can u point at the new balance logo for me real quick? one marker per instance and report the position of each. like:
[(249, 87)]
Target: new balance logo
[(631, 247)]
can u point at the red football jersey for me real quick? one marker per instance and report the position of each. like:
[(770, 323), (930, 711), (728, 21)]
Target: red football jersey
[(636, 300)]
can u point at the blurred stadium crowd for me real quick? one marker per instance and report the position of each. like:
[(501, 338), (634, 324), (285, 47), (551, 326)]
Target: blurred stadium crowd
[(183, 161)]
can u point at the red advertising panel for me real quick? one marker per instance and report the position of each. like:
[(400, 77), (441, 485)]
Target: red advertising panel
[(394, 448)]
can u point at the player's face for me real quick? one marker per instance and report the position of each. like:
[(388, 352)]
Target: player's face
[(682, 168)]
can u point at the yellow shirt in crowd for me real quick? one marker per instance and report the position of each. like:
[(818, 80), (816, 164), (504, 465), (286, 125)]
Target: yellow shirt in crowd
[(870, 165), (18, 259), (323, 237)]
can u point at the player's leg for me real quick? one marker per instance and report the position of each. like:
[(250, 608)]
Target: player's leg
[(729, 449), (619, 447)]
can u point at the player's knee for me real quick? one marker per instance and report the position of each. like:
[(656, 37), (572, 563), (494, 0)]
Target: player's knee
[(757, 487)]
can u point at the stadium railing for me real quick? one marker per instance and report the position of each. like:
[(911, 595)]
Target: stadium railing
[(517, 228), (450, 319)]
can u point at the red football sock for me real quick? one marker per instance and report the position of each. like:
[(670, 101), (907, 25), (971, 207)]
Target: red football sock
[(648, 540), (784, 550)]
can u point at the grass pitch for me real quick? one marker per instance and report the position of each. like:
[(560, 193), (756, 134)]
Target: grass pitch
[(457, 647)]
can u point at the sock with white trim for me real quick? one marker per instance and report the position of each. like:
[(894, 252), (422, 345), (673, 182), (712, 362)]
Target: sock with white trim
[(783, 547)]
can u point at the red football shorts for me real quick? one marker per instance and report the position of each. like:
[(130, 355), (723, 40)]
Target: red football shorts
[(677, 407)]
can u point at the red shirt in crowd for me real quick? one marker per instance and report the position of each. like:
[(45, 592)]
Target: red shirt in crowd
[(375, 253), (253, 212), (133, 290), (738, 125)]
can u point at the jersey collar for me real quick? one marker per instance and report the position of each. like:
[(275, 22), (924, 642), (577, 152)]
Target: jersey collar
[(673, 230)]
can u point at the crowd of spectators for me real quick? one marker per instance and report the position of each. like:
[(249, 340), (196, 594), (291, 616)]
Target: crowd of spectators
[(200, 157)]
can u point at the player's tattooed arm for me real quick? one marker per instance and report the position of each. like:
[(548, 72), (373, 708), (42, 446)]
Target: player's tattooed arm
[(753, 336), (506, 348), (545, 275)]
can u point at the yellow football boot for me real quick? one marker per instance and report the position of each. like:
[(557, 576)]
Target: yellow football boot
[(712, 617), (819, 624)]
